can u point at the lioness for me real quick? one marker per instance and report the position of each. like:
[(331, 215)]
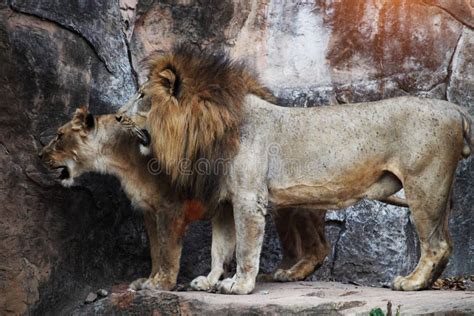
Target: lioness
[(99, 144), (199, 108)]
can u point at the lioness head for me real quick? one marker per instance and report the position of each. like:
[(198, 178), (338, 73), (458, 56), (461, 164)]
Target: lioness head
[(73, 149)]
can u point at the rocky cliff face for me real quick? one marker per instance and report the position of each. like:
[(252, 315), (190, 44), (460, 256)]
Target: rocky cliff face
[(56, 244)]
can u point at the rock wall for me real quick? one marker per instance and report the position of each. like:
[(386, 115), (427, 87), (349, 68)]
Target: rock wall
[(56, 244)]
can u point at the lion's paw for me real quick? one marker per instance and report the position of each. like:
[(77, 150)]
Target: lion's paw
[(282, 275), (225, 286), (201, 283), (231, 286), (407, 284)]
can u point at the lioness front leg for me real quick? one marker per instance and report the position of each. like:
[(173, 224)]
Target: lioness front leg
[(222, 251), (165, 230), (150, 226), (249, 216)]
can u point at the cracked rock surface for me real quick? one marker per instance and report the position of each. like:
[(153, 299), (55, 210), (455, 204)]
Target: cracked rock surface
[(57, 244), (298, 298)]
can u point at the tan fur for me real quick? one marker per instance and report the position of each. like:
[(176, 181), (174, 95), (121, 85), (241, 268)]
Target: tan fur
[(107, 148)]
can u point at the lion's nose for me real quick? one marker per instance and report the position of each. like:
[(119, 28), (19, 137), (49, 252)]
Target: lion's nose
[(118, 118)]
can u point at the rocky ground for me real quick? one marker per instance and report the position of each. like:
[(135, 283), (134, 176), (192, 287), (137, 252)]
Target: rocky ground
[(302, 298)]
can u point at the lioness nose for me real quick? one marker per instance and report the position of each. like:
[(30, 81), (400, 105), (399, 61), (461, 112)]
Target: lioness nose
[(118, 118)]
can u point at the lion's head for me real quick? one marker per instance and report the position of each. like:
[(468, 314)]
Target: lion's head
[(133, 117), (191, 106)]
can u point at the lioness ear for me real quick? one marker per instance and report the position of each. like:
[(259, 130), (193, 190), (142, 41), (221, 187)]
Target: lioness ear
[(82, 119), (170, 80)]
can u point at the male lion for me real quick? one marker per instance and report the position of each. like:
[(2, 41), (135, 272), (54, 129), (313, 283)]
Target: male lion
[(201, 108), (99, 144)]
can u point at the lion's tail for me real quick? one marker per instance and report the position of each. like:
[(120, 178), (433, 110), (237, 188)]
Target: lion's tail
[(467, 134)]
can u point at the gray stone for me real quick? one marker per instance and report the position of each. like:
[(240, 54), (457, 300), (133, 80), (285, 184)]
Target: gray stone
[(91, 298), (99, 24), (102, 293), (375, 245), (461, 80)]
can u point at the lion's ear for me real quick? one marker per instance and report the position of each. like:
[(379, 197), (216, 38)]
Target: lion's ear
[(82, 119), (89, 121), (170, 80)]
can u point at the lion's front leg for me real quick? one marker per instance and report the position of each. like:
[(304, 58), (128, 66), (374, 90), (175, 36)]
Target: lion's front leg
[(222, 251), (249, 216)]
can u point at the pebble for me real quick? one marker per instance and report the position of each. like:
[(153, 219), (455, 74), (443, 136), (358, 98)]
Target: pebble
[(102, 292), (91, 298)]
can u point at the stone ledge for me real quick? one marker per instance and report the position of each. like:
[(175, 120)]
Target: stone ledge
[(307, 298)]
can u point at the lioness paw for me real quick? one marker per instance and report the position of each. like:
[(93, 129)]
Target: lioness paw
[(201, 283), (137, 285), (151, 284), (144, 284)]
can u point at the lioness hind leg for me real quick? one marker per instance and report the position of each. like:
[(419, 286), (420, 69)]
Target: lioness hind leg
[(428, 198), (222, 250), (304, 243)]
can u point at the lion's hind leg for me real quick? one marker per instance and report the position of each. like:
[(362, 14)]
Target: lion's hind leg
[(299, 271), (302, 236), (428, 195)]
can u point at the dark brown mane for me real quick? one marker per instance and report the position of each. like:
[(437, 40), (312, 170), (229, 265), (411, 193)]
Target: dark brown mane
[(194, 122)]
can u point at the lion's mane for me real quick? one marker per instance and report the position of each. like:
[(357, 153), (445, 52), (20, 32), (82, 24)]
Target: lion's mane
[(195, 117)]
